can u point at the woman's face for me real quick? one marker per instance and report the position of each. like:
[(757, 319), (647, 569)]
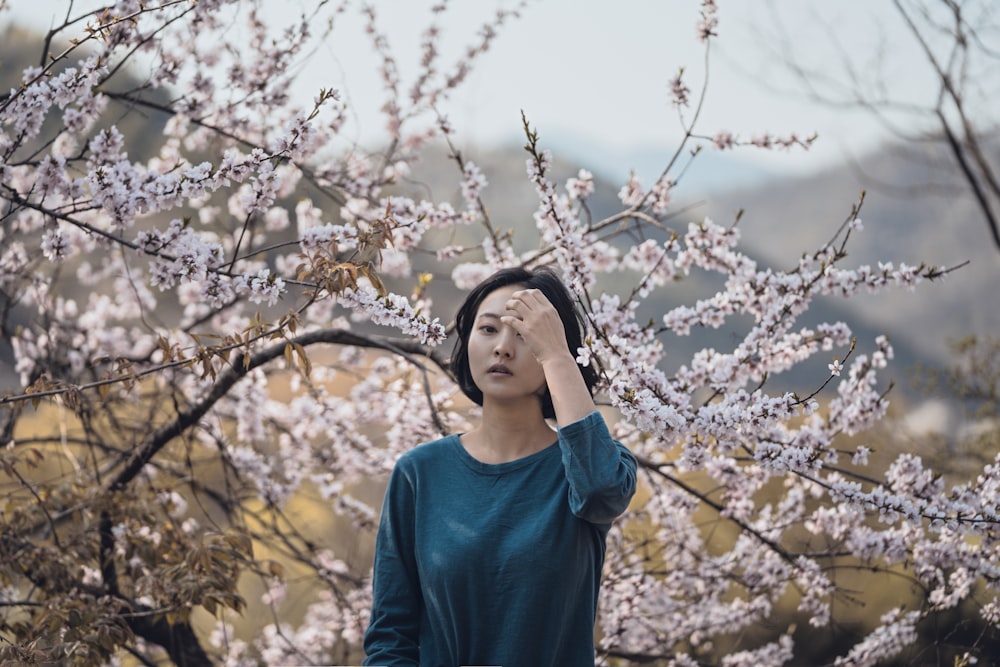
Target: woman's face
[(501, 363)]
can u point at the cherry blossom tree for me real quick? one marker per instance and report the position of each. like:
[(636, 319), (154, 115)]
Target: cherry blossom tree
[(253, 318)]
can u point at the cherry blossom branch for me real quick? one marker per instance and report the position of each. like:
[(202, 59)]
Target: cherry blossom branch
[(143, 453), (703, 498)]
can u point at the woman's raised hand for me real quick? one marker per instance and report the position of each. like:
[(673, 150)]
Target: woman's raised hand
[(532, 316)]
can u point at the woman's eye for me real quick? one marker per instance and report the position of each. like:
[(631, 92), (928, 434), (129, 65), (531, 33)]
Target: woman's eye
[(487, 328)]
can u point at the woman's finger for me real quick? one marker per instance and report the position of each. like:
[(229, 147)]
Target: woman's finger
[(529, 297)]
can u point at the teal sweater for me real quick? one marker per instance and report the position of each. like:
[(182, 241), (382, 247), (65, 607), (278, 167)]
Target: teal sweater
[(496, 564)]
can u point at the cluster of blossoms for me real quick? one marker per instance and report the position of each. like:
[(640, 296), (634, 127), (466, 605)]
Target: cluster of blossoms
[(69, 90), (393, 310), (896, 632), (680, 94), (261, 287), (558, 218), (725, 140), (472, 184), (180, 254), (709, 20)]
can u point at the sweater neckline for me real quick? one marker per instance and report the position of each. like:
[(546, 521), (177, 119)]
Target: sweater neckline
[(482, 468)]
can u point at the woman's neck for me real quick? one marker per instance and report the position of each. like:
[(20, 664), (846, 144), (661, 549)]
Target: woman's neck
[(508, 432)]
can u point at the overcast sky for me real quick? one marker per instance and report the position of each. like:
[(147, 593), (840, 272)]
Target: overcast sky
[(593, 76)]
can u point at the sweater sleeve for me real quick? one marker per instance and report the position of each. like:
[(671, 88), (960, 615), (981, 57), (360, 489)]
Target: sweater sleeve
[(601, 471), (393, 634)]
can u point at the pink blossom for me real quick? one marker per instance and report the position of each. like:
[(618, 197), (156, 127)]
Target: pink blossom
[(679, 91)]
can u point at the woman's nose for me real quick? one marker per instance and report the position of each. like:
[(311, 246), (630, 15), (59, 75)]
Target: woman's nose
[(504, 346)]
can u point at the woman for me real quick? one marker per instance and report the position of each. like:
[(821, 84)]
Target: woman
[(491, 542)]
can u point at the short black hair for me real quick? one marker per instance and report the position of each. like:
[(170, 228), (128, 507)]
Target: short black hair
[(549, 284)]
